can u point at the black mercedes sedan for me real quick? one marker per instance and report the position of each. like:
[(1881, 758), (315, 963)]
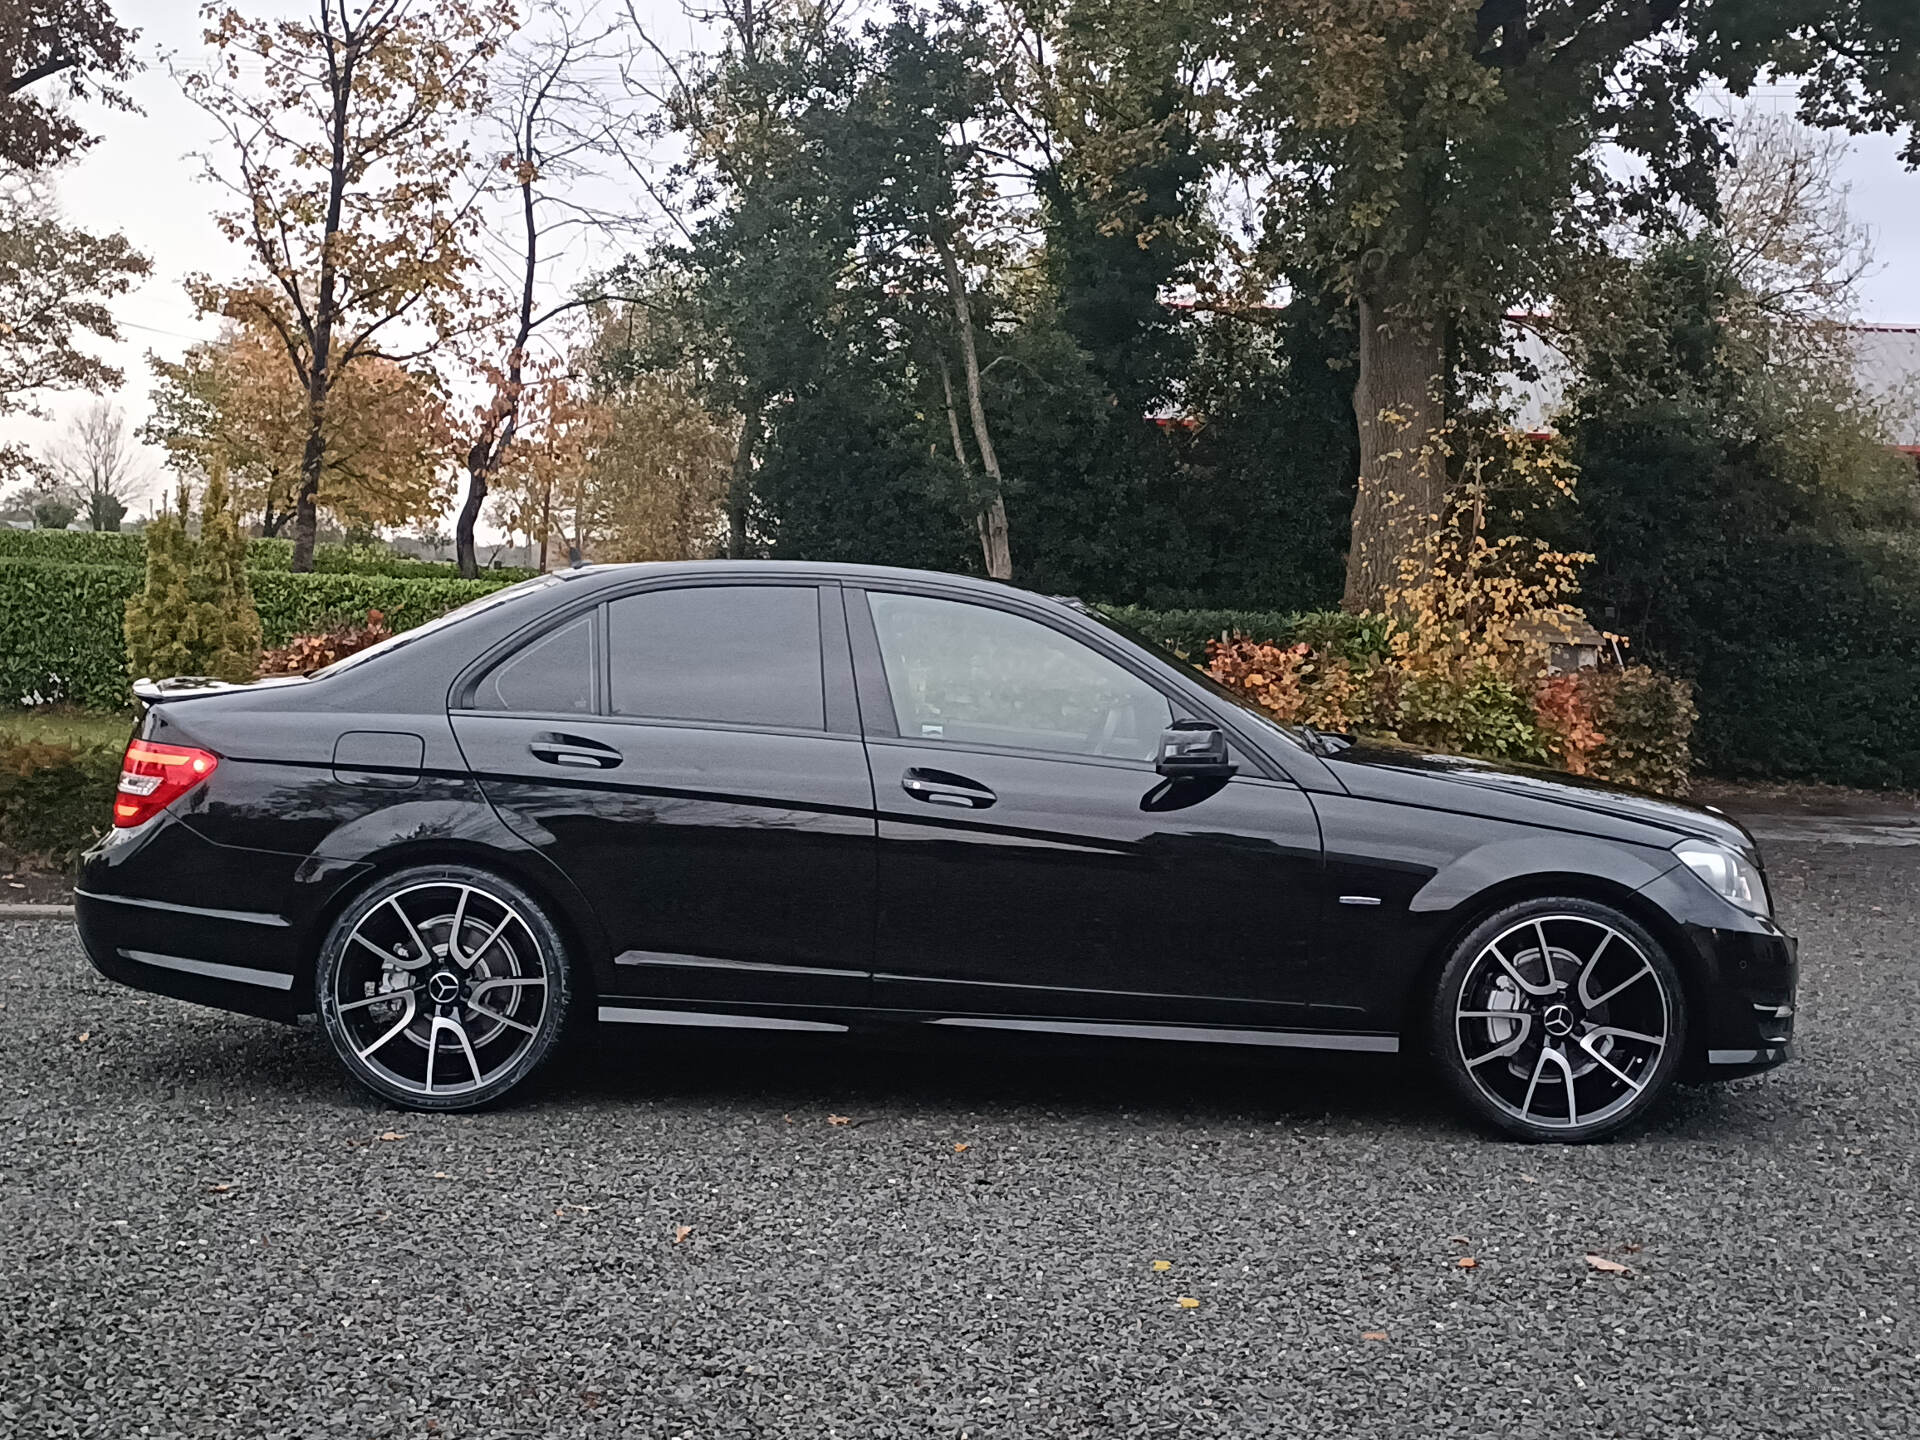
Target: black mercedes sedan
[(833, 798)]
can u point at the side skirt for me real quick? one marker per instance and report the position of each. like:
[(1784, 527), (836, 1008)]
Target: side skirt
[(893, 1019)]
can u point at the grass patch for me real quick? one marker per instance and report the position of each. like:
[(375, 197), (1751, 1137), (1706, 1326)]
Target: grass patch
[(67, 725)]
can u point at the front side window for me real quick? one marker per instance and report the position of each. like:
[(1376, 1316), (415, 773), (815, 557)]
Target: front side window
[(550, 675), (966, 674), (729, 654)]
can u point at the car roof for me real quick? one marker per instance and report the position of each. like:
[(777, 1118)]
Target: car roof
[(816, 569)]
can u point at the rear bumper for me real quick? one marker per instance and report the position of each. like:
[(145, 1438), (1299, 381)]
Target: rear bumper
[(163, 909), (231, 960)]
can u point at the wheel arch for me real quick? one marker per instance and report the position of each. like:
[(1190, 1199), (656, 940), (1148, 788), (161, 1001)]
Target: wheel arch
[(531, 871), (1540, 885)]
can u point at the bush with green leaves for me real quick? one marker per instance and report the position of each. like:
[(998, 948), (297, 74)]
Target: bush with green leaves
[(195, 615), (55, 799), (61, 636)]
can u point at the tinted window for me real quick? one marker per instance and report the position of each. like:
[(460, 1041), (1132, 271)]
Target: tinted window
[(550, 675), (738, 654), (966, 674)]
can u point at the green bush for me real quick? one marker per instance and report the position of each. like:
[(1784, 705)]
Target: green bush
[(88, 547), (1186, 632), (55, 799), (61, 625)]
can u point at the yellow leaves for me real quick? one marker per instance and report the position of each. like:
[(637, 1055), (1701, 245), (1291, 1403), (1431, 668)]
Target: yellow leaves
[(681, 1232), (1467, 1262), (839, 1120), (391, 1135), (1375, 1335), (1187, 1302), (1606, 1266), (960, 1147), (1162, 1265)]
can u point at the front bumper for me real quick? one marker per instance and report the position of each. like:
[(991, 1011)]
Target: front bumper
[(1743, 976)]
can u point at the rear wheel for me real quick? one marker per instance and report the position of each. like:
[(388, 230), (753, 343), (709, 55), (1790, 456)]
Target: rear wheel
[(443, 988), (1559, 1019)]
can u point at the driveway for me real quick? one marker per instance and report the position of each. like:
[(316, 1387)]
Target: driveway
[(203, 1232)]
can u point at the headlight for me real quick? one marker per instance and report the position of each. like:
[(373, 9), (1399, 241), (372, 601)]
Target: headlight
[(1727, 873)]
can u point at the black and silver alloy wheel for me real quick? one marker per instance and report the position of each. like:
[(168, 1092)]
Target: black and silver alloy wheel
[(442, 988), (1559, 1020)]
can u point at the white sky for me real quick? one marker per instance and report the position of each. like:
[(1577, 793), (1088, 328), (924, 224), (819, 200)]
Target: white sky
[(142, 180)]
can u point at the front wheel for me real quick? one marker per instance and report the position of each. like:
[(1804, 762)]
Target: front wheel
[(443, 988), (1559, 1020)]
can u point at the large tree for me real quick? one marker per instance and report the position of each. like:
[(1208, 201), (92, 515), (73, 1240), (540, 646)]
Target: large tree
[(1434, 162), (236, 403), (354, 187), (56, 288), (97, 461), (54, 50)]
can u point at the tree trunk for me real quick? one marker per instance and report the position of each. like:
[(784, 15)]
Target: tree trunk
[(464, 554), (1400, 405), (992, 519), (740, 485), (306, 515)]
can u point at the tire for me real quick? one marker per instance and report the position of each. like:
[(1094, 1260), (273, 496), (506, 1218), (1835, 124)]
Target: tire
[(443, 988), (1559, 1020)]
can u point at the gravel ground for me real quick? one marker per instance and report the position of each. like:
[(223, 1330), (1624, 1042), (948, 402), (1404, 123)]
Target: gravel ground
[(204, 1232)]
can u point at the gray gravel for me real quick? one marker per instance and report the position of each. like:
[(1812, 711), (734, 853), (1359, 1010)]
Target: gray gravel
[(203, 1232)]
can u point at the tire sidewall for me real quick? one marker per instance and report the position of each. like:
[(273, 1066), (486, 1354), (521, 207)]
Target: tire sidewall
[(554, 1022), (1444, 1045)]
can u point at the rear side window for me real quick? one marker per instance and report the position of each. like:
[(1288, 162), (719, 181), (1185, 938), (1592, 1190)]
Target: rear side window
[(731, 654), (552, 675)]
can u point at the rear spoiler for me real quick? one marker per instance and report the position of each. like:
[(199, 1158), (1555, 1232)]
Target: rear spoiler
[(187, 687)]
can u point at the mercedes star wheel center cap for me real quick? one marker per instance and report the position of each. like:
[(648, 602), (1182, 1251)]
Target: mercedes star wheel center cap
[(444, 988), (1558, 1020)]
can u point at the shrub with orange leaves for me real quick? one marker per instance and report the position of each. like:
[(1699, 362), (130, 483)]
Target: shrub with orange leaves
[(304, 654)]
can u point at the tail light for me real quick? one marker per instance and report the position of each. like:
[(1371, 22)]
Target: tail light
[(153, 776)]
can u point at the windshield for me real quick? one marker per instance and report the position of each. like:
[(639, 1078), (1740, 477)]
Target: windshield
[(505, 596), (1235, 698)]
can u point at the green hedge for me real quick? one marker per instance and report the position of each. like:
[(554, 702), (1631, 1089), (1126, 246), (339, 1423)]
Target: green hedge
[(55, 799), (61, 635), (91, 547)]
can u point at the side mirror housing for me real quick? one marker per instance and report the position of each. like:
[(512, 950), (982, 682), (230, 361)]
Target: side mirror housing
[(1194, 750)]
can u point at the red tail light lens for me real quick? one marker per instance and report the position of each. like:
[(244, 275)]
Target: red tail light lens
[(153, 776)]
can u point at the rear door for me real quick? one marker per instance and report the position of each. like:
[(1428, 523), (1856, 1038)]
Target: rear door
[(689, 755), (1032, 861)]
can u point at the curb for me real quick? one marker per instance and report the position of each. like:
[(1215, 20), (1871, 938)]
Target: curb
[(36, 912)]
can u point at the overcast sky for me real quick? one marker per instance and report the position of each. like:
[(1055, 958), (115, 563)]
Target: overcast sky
[(141, 179)]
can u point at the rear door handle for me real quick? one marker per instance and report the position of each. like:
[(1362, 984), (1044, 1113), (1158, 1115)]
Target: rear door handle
[(573, 751), (937, 787)]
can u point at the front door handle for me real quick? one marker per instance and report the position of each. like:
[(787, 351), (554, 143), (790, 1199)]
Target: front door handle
[(573, 751), (937, 787)]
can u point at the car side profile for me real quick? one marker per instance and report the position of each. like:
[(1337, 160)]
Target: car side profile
[(827, 798)]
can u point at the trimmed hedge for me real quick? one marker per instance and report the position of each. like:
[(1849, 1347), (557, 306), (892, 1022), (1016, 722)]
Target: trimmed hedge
[(61, 635), (103, 547)]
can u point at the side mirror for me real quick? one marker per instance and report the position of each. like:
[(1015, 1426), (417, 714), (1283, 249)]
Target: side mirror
[(1194, 750)]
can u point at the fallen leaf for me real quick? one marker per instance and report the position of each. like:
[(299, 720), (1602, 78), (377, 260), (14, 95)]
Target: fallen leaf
[(1163, 1264), (393, 1135), (960, 1147), (566, 1205), (680, 1232), (1606, 1266), (839, 1119), (1459, 1239), (218, 1189), (1531, 1179), (1632, 1249), (84, 1034), (1187, 1302), (441, 1175), (1373, 1335), (1467, 1262)]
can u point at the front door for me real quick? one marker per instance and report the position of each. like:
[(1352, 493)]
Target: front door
[(690, 757), (1034, 863)]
